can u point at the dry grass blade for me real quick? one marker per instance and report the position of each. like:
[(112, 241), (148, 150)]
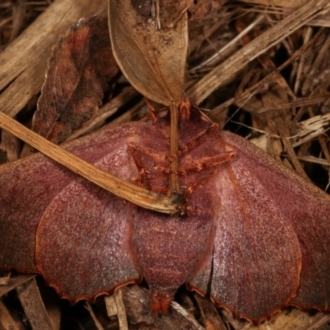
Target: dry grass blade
[(307, 131), (292, 320), (6, 319), (97, 323), (278, 3), (187, 317), (33, 305), (115, 306), (283, 7), (220, 75), (13, 283)]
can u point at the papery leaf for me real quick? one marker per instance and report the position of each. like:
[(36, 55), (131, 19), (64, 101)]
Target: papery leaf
[(152, 57), (77, 76)]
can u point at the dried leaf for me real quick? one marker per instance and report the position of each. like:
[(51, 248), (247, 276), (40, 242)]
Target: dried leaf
[(143, 51), (78, 71)]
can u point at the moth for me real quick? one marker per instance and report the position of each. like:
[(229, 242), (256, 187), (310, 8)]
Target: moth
[(253, 235)]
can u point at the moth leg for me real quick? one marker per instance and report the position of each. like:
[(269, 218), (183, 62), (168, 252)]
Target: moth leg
[(185, 117), (206, 162), (141, 180), (147, 157), (152, 166), (196, 139), (152, 111)]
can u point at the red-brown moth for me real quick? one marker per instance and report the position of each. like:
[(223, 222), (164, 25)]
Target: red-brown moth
[(258, 233), (255, 236)]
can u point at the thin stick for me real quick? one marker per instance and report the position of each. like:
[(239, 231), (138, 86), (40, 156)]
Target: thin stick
[(174, 147), (120, 188)]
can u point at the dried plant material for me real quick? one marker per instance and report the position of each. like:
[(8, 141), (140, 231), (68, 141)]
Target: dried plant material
[(166, 13), (10, 145), (13, 283), (7, 321), (278, 3), (105, 112), (33, 305), (23, 64), (115, 306), (268, 39), (210, 317), (284, 8), (97, 323), (293, 319), (4, 280), (54, 311), (77, 76), (143, 51), (307, 131), (16, 16), (137, 302)]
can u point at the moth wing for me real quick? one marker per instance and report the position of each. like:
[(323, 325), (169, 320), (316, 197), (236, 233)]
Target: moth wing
[(58, 224), (272, 240)]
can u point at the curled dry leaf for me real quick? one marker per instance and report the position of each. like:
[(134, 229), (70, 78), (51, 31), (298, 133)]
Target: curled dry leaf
[(152, 57), (79, 69)]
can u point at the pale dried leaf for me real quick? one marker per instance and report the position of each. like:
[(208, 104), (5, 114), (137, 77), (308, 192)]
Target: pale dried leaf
[(143, 52)]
